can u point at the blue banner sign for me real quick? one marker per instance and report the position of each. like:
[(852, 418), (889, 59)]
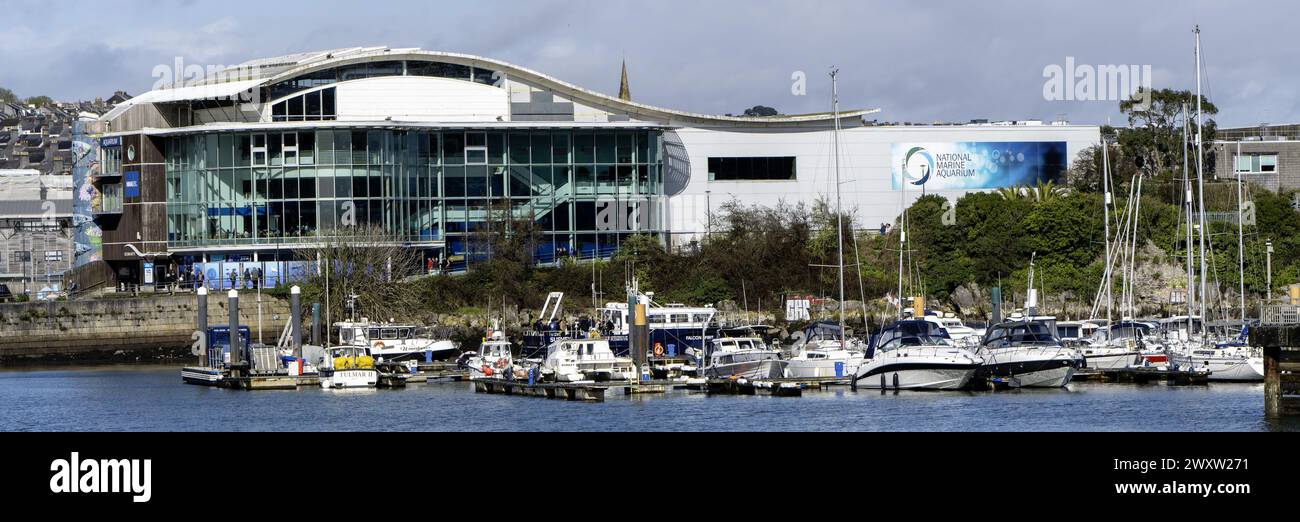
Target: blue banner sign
[(115, 141), (977, 165), (131, 184)]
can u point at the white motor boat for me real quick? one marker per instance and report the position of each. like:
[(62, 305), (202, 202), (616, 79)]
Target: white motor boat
[(573, 360), (826, 358), (916, 355), (742, 358), (958, 332), (1232, 364), (1026, 354), (348, 367), (394, 342)]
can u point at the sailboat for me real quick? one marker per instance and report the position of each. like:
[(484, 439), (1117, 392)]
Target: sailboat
[(1232, 360), (831, 357), (1107, 352)]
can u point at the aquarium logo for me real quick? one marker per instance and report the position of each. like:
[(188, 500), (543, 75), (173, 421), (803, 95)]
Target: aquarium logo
[(918, 164), (74, 475)]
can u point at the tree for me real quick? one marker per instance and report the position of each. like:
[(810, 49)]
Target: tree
[(368, 263), (40, 101), (761, 110), (7, 96), (1155, 133)]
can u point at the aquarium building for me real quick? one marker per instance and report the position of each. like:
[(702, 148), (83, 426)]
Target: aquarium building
[(261, 161)]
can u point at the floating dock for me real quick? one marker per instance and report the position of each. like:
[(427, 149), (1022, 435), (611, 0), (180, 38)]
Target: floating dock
[(579, 391), (1171, 377)]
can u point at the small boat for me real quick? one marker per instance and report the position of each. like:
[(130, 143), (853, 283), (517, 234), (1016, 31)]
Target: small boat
[(348, 367), (494, 359), (1026, 354), (825, 355), (742, 358), (916, 354), (591, 359), (1226, 363)]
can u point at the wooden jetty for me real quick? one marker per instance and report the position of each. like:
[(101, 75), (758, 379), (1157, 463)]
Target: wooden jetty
[(1281, 344), (772, 387), (1168, 376), (578, 391), (269, 382)]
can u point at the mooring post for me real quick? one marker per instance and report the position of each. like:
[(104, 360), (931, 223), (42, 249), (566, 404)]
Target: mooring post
[(236, 345), (315, 324), (641, 337), (997, 305), (202, 325), (295, 303), (1272, 381)]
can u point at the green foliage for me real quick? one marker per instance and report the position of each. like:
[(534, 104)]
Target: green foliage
[(7, 96), (39, 101)]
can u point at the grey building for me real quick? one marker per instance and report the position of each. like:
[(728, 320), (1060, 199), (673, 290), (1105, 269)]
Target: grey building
[(1268, 155), (35, 230)]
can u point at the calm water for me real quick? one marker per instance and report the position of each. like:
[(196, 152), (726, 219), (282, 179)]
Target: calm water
[(152, 398)]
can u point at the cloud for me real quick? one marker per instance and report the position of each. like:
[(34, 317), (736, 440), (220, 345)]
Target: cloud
[(921, 62)]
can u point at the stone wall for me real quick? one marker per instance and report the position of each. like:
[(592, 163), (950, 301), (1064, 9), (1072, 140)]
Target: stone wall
[(143, 327)]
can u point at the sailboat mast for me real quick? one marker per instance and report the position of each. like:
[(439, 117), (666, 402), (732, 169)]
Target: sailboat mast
[(1241, 241), (839, 214), (1200, 170), (1105, 181), (1187, 203)]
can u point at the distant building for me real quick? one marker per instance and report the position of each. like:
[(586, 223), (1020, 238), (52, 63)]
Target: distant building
[(35, 230), (1269, 155)]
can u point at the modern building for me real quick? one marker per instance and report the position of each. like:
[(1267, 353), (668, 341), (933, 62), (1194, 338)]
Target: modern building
[(276, 155), (1268, 155), (35, 231)]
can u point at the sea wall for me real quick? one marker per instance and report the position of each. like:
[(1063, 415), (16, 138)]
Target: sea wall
[(156, 327)]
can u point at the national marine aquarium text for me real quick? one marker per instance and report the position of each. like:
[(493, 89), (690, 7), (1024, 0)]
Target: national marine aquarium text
[(977, 165)]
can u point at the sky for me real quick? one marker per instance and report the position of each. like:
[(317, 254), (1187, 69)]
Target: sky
[(917, 61)]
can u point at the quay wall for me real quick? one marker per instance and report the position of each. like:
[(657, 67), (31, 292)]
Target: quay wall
[(145, 328)]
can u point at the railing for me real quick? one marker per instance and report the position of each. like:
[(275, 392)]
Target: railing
[(1283, 314)]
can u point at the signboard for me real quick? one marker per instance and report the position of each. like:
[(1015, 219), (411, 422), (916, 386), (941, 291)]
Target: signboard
[(148, 273), (131, 184), (115, 141), (977, 165)]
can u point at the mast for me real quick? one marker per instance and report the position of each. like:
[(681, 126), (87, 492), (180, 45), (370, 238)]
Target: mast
[(1187, 203), (839, 214), (1241, 246), (1200, 169), (1105, 181)]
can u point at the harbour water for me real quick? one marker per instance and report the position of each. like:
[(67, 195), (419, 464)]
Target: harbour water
[(152, 398)]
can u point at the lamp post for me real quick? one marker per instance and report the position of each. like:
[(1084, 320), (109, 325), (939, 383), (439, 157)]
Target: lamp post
[(1268, 271)]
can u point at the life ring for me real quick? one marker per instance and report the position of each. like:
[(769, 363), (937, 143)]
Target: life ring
[(378, 345), (659, 350)]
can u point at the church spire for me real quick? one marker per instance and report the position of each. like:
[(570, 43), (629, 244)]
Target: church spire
[(624, 92)]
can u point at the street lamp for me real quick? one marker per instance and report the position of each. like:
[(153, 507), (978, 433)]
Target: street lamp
[(1268, 271)]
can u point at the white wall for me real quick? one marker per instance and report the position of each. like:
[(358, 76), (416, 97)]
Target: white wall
[(414, 98), (865, 168)]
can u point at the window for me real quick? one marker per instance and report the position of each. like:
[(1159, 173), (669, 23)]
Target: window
[(752, 169), (312, 106), (476, 152), (259, 150), (1256, 163)]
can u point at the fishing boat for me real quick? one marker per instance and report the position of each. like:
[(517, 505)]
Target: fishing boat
[(591, 359), (676, 327), (493, 359), (916, 355), (394, 342), (348, 367), (1026, 354)]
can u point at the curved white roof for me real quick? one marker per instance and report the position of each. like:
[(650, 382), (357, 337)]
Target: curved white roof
[(268, 71)]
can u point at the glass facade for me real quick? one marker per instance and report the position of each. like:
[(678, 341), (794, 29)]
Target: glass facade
[(585, 190)]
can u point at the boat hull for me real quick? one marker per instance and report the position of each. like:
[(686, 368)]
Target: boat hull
[(1104, 360), (357, 378), (915, 376), (759, 369), (1052, 372), (1225, 369), (811, 369)]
